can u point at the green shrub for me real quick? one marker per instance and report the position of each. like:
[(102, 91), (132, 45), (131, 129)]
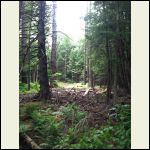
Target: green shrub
[(34, 86), (72, 113), (23, 128), (57, 75), (23, 87), (31, 108), (47, 128)]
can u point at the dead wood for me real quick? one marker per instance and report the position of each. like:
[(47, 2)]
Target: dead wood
[(31, 142), (86, 92), (68, 93)]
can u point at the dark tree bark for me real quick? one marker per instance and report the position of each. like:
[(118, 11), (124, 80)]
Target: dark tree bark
[(54, 40), (115, 54), (44, 92), (109, 73), (28, 55), (109, 64), (20, 13), (23, 74), (123, 55)]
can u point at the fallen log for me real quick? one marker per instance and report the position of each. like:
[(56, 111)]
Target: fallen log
[(31, 142), (86, 92)]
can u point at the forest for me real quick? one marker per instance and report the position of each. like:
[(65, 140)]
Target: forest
[(75, 94)]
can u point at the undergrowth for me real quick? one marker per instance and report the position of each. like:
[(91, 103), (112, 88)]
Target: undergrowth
[(23, 88), (67, 128)]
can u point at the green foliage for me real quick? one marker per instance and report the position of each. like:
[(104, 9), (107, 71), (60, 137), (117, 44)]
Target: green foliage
[(47, 128), (121, 113), (70, 59), (110, 136), (23, 128), (54, 83), (30, 108), (25, 112), (76, 63), (28, 63), (53, 131), (72, 113), (57, 75), (23, 87), (110, 20), (54, 78)]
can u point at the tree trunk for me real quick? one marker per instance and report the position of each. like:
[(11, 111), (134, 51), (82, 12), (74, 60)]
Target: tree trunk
[(28, 56), (23, 40), (85, 64), (109, 65), (90, 82), (36, 75), (84, 78), (20, 12), (90, 76), (108, 73), (44, 92), (54, 40), (65, 67), (116, 49), (88, 70)]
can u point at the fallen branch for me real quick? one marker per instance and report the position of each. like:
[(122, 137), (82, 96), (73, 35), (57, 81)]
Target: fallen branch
[(31, 142), (69, 91), (86, 92)]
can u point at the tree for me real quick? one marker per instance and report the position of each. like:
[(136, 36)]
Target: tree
[(23, 42), (54, 39), (109, 65), (28, 61), (76, 62), (64, 49), (44, 92), (109, 34), (88, 49)]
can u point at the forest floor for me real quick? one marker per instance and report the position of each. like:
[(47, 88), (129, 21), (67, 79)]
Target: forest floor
[(91, 101)]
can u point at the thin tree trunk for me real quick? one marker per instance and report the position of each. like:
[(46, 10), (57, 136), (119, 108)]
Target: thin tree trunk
[(90, 83), (108, 73), (23, 41), (65, 69), (84, 78), (88, 70), (29, 72), (37, 75), (20, 13), (54, 40), (90, 79)]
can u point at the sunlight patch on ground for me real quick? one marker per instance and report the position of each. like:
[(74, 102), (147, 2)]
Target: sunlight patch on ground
[(71, 85)]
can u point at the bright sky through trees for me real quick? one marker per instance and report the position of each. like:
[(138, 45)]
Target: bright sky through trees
[(69, 18)]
